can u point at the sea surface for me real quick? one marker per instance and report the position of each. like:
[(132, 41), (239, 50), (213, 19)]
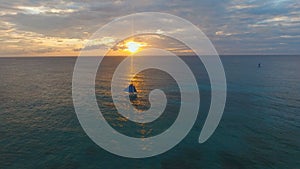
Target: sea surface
[(260, 127)]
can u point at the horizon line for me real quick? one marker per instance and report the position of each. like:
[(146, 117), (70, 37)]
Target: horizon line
[(73, 56)]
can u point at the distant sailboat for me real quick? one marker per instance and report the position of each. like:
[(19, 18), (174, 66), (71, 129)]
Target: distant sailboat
[(259, 65), (131, 90)]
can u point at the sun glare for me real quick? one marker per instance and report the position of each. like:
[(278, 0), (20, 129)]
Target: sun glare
[(133, 47)]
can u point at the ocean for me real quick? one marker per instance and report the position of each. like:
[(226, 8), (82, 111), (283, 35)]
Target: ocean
[(259, 128)]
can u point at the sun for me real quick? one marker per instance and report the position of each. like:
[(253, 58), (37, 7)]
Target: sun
[(132, 46)]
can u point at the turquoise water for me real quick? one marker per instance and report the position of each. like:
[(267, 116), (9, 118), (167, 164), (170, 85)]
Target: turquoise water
[(259, 128)]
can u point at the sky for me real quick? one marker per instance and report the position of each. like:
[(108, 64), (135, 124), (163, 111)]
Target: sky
[(235, 27)]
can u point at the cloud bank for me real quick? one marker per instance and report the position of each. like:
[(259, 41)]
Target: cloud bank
[(60, 28)]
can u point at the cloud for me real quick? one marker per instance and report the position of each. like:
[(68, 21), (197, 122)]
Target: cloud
[(222, 33), (44, 10), (243, 6), (290, 36)]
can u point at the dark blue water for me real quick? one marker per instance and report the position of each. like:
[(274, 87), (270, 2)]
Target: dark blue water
[(259, 129)]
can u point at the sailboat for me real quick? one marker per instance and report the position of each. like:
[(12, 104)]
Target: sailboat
[(131, 90)]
